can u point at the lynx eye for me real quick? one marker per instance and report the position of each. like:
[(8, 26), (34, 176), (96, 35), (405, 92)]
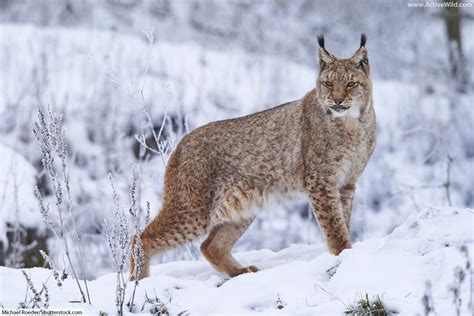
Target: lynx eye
[(327, 84), (351, 84)]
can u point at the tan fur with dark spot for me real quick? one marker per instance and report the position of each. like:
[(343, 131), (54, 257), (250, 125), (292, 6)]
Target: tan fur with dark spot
[(222, 173)]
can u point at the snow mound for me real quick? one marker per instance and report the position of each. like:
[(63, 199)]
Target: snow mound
[(302, 279)]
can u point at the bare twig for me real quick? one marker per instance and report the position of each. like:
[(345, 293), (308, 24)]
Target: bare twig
[(447, 183), (332, 296)]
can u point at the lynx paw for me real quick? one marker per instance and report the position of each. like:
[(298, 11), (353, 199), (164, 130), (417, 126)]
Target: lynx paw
[(248, 269)]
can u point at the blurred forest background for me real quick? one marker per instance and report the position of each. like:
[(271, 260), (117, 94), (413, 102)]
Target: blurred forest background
[(124, 73)]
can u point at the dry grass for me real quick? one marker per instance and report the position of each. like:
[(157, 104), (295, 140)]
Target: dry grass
[(367, 307)]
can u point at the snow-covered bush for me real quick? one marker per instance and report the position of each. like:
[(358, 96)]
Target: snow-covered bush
[(118, 238)]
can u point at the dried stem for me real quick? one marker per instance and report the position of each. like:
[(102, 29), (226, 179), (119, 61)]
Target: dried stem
[(447, 184), (118, 238), (52, 142)]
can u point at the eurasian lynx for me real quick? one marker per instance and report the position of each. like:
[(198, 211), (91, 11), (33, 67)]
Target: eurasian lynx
[(221, 174)]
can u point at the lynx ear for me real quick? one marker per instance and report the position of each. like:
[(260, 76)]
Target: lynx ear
[(361, 57), (325, 59)]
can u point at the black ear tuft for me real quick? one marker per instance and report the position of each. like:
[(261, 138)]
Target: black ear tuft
[(363, 39), (321, 40)]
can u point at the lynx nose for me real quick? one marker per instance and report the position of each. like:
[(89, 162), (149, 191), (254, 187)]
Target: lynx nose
[(338, 102)]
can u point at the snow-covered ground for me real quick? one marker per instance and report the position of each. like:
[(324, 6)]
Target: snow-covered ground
[(302, 279)]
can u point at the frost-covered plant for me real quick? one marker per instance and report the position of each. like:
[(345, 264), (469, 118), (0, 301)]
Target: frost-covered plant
[(455, 288), (447, 183), (164, 146), (14, 257), (279, 304), (118, 238), (468, 268), (461, 273), (46, 296), (427, 300), (36, 301), (52, 265), (368, 307), (51, 139), (138, 256), (156, 306)]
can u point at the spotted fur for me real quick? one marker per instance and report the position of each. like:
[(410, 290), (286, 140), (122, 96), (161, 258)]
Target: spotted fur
[(221, 174)]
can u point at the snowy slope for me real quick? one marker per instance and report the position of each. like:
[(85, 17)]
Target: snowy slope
[(308, 280)]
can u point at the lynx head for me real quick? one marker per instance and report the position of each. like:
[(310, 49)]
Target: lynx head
[(343, 85)]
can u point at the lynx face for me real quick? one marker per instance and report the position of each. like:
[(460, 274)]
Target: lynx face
[(343, 85)]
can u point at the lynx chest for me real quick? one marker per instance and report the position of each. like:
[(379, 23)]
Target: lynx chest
[(357, 143)]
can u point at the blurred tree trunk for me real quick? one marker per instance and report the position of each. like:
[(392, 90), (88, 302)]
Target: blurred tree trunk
[(452, 17)]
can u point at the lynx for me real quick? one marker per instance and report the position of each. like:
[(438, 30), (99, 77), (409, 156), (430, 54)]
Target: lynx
[(221, 174)]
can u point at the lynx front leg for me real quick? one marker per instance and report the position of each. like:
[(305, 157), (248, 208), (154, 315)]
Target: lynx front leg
[(218, 245), (347, 196), (326, 204)]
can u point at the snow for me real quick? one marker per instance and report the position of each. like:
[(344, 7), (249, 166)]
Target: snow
[(306, 278)]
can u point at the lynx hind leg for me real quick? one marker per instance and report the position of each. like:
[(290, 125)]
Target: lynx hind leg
[(218, 245), (167, 231)]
